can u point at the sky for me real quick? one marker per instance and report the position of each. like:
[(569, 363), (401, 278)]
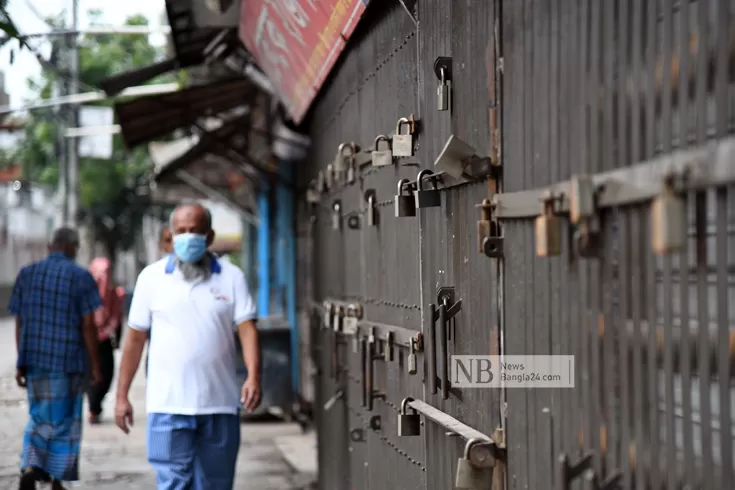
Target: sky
[(26, 65)]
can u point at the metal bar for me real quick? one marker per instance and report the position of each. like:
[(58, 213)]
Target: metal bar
[(364, 366), (448, 422), (706, 166), (442, 334), (431, 318)]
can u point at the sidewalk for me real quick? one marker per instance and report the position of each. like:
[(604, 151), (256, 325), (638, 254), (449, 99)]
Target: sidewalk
[(113, 461)]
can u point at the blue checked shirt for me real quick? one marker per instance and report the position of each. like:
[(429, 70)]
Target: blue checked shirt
[(52, 297)]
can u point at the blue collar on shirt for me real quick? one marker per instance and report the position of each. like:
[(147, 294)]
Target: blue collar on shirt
[(171, 264)]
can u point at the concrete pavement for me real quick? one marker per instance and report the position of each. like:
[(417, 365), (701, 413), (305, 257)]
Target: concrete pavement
[(113, 461)]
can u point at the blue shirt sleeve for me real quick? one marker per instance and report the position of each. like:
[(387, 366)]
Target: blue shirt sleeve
[(88, 296), (16, 297)]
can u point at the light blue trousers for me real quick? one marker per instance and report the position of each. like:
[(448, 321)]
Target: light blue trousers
[(193, 452)]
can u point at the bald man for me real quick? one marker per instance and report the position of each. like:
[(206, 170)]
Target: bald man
[(191, 303)]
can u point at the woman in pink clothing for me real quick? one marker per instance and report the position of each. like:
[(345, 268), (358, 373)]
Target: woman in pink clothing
[(107, 319)]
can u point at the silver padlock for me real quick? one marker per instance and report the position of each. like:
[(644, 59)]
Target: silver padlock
[(381, 157), (411, 361), (345, 157), (336, 216), (668, 221), (350, 322), (548, 230), (327, 314), (443, 92), (403, 143), (371, 210), (405, 201), (473, 473), (409, 420), (426, 198)]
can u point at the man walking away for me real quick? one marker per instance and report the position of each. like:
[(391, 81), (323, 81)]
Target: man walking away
[(191, 303), (53, 302)]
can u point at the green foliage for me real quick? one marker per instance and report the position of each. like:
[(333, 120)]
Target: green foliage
[(110, 196), (7, 26)]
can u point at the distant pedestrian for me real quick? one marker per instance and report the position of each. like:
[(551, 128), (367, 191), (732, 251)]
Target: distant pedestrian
[(53, 302), (192, 304), (107, 320)]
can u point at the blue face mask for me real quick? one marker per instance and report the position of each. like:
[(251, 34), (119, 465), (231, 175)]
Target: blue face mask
[(189, 247)]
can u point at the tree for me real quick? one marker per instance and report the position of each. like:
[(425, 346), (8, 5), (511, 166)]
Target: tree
[(111, 202), (7, 26)]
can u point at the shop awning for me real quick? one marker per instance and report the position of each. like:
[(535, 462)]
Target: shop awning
[(147, 118)]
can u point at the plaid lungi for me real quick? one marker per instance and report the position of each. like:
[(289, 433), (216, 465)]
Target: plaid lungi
[(52, 439)]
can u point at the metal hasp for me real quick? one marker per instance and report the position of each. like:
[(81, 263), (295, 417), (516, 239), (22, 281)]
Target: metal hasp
[(570, 472), (337, 325), (583, 214), (409, 420), (489, 238), (411, 360), (405, 203), (338, 395), (403, 142), (460, 162), (337, 215), (668, 220), (474, 468), (381, 157), (443, 71), (446, 311), (371, 210), (427, 198), (368, 358), (548, 228)]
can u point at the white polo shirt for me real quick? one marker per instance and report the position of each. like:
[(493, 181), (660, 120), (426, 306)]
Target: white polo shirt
[(193, 356)]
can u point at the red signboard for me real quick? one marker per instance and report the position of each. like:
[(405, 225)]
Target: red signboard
[(296, 43)]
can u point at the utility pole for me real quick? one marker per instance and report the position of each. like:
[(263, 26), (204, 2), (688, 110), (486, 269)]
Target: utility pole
[(61, 142), (73, 120)]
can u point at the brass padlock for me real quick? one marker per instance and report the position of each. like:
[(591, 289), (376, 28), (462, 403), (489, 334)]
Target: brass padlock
[(344, 159), (409, 424), (668, 221), (336, 216), (405, 203), (548, 229), (474, 472), (426, 198), (403, 143), (371, 210), (381, 157)]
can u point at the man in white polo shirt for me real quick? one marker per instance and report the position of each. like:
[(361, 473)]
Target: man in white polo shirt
[(191, 303)]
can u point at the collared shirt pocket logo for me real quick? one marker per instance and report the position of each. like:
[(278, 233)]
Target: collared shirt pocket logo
[(218, 296)]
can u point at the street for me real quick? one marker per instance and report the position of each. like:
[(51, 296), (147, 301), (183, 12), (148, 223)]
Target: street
[(113, 461)]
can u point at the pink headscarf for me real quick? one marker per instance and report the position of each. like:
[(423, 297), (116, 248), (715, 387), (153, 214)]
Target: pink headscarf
[(107, 317)]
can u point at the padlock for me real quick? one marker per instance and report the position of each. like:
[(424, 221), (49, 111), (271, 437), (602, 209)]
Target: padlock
[(668, 221), (339, 319), (381, 157), (350, 321), (426, 198), (470, 475), (327, 315), (336, 216), (371, 210), (403, 143), (411, 361), (548, 230), (329, 177), (409, 424), (581, 198), (344, 159), (484, 224), (388, 350), (443, 92), (405, 203)]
